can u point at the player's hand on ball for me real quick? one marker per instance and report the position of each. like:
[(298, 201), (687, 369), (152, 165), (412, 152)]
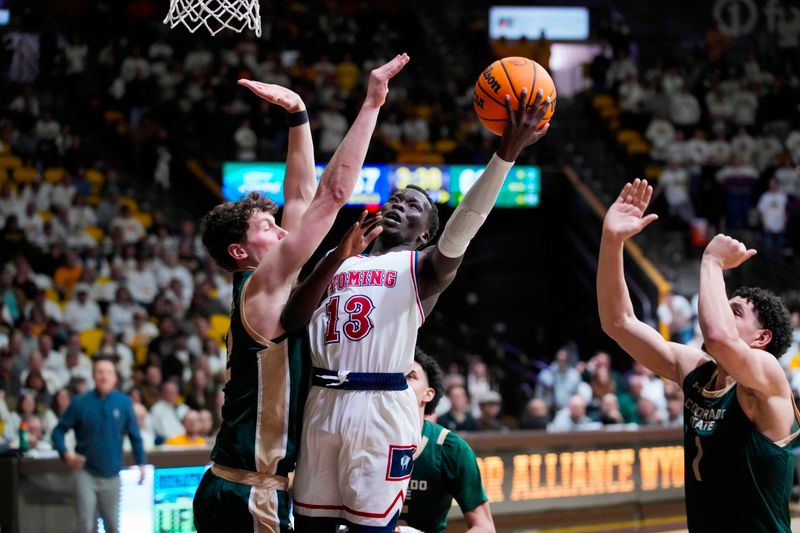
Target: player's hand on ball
[(522, 129), (727, 252), (625, 218), (379, 78), (359, 236), (276, 94)]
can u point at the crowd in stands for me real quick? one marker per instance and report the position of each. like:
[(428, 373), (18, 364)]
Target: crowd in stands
[(84, 272), (721, 126)]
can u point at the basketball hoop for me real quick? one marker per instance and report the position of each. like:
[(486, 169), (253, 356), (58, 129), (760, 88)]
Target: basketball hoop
[(215, 15)]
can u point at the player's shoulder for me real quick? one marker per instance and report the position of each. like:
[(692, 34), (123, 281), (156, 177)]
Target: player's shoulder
[(449, 440)]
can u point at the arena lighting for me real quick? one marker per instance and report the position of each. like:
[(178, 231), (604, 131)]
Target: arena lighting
[(446, 184)]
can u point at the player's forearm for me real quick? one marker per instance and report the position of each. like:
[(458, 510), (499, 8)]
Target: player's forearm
[(339, 178), (473, 210), (306, 296), (301, 179), (713, 311), (613, 300)]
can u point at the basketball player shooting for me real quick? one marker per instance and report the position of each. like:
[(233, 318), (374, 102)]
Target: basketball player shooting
[(245, 488), (361, 423), (740, 417)]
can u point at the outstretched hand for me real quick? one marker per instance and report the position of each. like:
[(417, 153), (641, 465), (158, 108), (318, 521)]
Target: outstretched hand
[(378, 86), (625, 218), (359, 236), (523, 124), (276, 94), (727, 252)]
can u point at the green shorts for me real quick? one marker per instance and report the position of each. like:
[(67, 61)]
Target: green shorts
[(222, 505)]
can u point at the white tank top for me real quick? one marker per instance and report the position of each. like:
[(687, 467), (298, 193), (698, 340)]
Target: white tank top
[(369, 317)]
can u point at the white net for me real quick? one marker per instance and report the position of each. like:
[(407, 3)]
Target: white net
[(215, 15)]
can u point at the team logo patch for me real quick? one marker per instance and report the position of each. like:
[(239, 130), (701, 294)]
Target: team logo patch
[(401, 462)]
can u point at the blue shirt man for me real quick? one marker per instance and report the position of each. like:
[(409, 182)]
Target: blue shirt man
[(100, 418)]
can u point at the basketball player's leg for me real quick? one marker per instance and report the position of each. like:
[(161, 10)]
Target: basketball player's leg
[(376, 459), (223, 505), (317, 501)]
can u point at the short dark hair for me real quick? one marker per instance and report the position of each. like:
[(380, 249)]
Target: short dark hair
[(227, 224), (773, 315), (435, 378), (100, 358), (433, 218)]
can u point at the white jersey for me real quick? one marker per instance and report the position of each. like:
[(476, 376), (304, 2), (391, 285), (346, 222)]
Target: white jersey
[(369, 318)]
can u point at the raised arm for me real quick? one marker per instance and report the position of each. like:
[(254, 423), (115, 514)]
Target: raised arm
[(335, 187), (624, 219), (439, 264), (300, 181), (751, 366), (307, 295)]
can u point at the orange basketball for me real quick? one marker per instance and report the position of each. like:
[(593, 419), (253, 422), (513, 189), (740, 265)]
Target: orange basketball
[(508, 76)]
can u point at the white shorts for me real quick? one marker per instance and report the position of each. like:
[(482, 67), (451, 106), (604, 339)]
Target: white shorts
[(356, 454)]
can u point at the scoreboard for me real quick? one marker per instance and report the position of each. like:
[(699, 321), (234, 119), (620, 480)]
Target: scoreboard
[(446, 184)]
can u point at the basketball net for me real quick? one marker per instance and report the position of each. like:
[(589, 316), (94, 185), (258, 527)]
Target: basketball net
[(215, 15)]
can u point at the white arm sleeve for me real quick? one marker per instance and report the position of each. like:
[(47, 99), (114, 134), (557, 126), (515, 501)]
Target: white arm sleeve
[(473, 209)]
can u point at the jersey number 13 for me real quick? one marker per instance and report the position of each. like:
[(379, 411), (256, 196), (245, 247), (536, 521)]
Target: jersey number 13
[(358, 325)]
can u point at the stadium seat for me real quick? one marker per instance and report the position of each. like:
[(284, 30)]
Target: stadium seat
[(94, 232), (626, 137), (444, 146), (219, 325), (145, 218), (25, 175), (130, 202), (10, 162), (54, 175), (602, 101), (90, 340), (638, 148), (652, 172), (95, 177), (113, 116), (52, 294), (46, 216)]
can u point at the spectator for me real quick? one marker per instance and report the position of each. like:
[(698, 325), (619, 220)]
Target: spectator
[(38, 448), (685, 111), (535, 415), (674, 183), (609, 413), (490, 405), (572, 417), (787, 176), (145, 429), (772, 210), (192, 435), (558, 382), (100, 419), (660, 133), (83, 313), (458, 418), (121, 311), (132, 229), (246, 142), (167, 414), (738, 179)]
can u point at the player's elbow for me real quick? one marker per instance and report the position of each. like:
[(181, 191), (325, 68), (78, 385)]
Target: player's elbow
[(613, 325)]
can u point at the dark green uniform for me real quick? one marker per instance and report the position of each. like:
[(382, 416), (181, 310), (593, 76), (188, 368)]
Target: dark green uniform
[(736, 478), (267, 384), (444, 469)]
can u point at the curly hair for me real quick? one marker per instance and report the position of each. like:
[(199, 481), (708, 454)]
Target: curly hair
[(772, 314), (433, 216), (227, 224), (435, 378)]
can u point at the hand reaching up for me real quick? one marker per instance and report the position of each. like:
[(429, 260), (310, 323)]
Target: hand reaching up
[(625, 218), (379, 78), (276, 94)]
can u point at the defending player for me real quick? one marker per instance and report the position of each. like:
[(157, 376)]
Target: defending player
[(361, 423), (444, 465), (739, 413), (245, 488)]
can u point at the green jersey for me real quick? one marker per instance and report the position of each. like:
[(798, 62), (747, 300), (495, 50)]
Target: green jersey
[(263, 396), (736, 478), (444, 468)]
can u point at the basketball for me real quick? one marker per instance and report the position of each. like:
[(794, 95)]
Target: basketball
[(508, 76)]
